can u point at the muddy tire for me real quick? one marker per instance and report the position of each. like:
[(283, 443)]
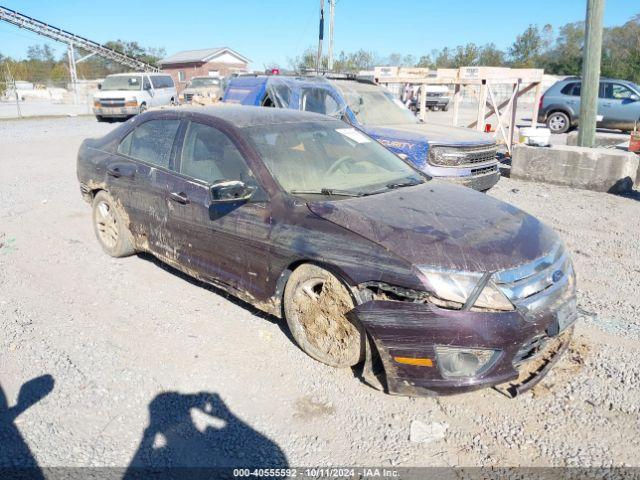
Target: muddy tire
[(109, 226), (315, 303)]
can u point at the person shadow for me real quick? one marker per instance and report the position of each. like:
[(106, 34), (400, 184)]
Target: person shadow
[(197, 436), (15, 454)]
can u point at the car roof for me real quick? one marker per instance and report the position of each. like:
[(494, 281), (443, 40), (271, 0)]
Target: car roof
[(246, 116), (127, 74), (602, 79)]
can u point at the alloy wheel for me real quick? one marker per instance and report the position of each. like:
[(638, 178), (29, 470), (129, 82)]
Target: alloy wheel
[(107, 225)]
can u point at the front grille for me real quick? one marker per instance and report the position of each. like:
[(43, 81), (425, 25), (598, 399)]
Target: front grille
[(449, 156), (484, 170), (533, 278), (188, 97), (112, 102)]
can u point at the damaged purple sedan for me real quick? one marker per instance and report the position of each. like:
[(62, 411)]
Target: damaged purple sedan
[(430, 287)]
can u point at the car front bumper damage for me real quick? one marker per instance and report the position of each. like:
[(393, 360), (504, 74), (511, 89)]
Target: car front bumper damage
[(526, 344)]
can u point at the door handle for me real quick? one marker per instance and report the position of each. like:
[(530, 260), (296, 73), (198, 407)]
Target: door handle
[(114, 172), (118, 172), (179, 197)]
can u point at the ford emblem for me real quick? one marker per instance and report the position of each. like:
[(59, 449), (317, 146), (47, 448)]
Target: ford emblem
[(557, 275)]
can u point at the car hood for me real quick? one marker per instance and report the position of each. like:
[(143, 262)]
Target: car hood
[(434, 134), (444, 226), (203, 90), (115, 94)]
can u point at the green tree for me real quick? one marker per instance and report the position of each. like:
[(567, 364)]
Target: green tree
[(565, 58), (466, 55), (621, 51), (425, 62), (526, 50), (303, 62), (491, 56)]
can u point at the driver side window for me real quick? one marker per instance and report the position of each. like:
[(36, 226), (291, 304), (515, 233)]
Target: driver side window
[(210, 156)]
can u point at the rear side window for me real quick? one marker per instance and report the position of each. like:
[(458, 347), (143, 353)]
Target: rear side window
[(572, 89), (209, 155), (151, 142), (162, 81)]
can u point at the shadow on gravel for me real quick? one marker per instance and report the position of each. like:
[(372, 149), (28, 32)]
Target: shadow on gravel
[(199, 433), (15, 455)]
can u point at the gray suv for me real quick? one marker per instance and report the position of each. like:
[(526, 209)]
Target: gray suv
[(618, 105)]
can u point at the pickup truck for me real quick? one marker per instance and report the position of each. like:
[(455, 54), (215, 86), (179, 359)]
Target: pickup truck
[(459, 155)]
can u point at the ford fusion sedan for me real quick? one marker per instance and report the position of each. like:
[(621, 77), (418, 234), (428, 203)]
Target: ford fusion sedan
[(428, 287)]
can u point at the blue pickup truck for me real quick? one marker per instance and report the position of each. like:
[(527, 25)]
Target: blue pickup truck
[(461, 155)]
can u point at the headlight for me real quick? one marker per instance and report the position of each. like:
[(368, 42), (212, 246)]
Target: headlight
[(131, 102), (457, 287)]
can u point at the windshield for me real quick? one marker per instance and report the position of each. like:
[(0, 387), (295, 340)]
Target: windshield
[(204, 82), (122, 82), (377, 107), (329, 158)]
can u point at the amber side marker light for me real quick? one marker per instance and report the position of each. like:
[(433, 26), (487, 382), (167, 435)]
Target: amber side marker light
[(418, 362)]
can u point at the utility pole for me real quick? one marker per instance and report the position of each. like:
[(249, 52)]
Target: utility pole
[(590, 73), (320, 37), (332, 8)]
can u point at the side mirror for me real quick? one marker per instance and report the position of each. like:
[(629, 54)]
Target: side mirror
[(231, 191), (226, 196), (99, 86), (634, 97)]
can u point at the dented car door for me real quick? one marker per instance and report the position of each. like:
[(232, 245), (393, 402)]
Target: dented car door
[(227, 244)]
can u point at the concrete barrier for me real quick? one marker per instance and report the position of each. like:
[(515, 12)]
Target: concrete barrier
[(602, 170), (603, 139)]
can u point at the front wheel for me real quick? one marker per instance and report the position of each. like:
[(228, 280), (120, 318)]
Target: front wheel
[(315, 304), (143, 108), (558, 122)]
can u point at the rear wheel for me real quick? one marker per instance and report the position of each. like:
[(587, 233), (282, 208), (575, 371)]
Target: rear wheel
[(558, 122), (315, 304), (109, 226)]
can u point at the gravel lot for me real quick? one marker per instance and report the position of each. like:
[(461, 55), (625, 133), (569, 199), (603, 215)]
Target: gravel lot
[(136, 349)]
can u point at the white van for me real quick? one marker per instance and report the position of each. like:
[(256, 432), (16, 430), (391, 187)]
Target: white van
[(125, 94)]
